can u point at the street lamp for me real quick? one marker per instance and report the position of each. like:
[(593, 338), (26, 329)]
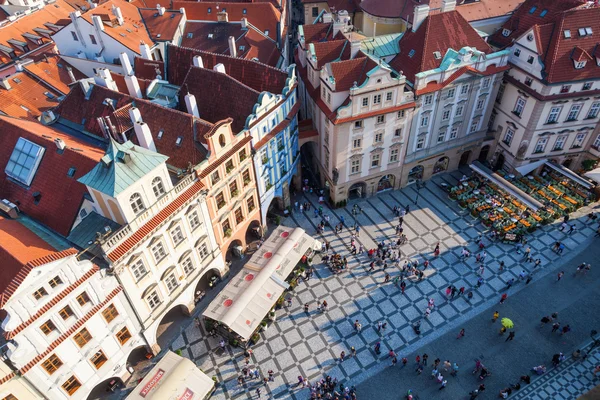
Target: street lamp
[(418, 190)]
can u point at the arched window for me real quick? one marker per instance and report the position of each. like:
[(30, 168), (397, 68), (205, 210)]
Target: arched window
[(137, 205), (158, 187)]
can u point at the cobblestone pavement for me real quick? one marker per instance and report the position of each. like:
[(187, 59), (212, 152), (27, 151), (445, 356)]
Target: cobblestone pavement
[(308, 345)]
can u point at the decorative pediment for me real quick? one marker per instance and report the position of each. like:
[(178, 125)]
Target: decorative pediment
[(511, 124)]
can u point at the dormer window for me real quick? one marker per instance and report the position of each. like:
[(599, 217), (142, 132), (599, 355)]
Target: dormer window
[(136, 203), (506, 32), (579, 64)]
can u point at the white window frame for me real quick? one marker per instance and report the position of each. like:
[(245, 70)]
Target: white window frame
[(355, 166), (553, 115), (365, 102), (138, 269), (376, 160), (394, 155), (451, 93), (486, 83), (157, 187), (356, 143), (441, 136), (203, 251), (153, 300), (464, 89), (380, 119), (377, 99), (171, 282), (177, 235), (560, 142), (29, 150), (188, 265), (424, 121), (508, 136), (574, 112), (480, 104), (137, 203), (453, 132), (541, 145), (594, 110), (420, 144), (459, 111), (596, 143), (158, 249), (428, 100), (194, 220), (378, 138), (519, 106), (446, 115), (389, 96)]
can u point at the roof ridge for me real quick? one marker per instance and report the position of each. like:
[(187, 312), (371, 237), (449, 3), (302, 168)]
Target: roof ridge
[(422, 60)]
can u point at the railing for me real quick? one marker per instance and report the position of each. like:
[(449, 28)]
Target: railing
[(417, 155), (120, 235)]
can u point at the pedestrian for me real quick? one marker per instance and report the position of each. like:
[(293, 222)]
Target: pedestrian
[(447, 365), (418, 359), (427, 312), (454, 369), (378, 348), (461, 291), (571, 229), (404, 361), (527, 253), (431, 303), (538, 263), (436, 252), (563, 226), (561, 248), (461, 333), (387, 278), (545, 320), (425, 357), (566, 329), (501, 268), (495, 316), (453, 291), (555, 326), (306, 308), (555, 315), (258, 392), (271, 375), (342, 356), (434, 373), (379, 325), (529, 278), (444, 382), (503, 298), (560, 275), (402, 286), (511, 336), (502, 330), (353, 351), (289, 301), (394, 361)]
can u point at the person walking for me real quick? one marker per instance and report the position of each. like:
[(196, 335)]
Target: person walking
[(434, 373), (427, 312), (571, 229), (545, 320), (394, 361), (566, 329), (503, 298), (418, 359), (342, 356), (555, 326), (511, 336), (378, 348), (529, 278), (461, 333), (495, 316), (425, 357), (402, 286), (444, 383), (560, 275)]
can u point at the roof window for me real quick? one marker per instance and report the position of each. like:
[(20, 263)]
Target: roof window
[(567, 34), (161, 133), (49, 95), (437, 55), (178, 141), (267, 32), (209, 10), (242, 48), (411, 53), (190, 35), (244, 11), (71, 172), (588, 30), (16, 80), (172, 16), (506, 32), (543, 13), (532, 10), (210, 36), (24, 161)]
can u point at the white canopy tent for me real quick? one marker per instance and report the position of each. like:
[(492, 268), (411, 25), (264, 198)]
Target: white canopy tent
[(527, 168), (570, 174), (249, 296), (173, 377), (594, 175)]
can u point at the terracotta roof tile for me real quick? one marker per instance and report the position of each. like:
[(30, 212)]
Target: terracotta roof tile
[(485, 9), (317, 32), (80, 322), (57, 209), (155, 222), (53, 70), (161, 27), (204, 172), (346, 73), (148, 69), (28, 97), (54, 301), (438, 33), (327, 52)]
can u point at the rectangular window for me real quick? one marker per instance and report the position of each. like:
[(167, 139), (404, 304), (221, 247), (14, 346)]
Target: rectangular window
[(500, 93), (48, 327), (226, 228), (239, 215), (380, 119), (486, 83), (530, 59), (565, 88), (446, 115), (441, 136), (528, 81), (377, 99), (451, 93), (553, 116), (66, 313), (388, 96), (574, 112), (71, 385), (251, 205), (420, 143), (74, 36), (93, 39), (596, 143), (41, 292), (398, 132), (52, 364), (177, 235), (394, 155), (578, 142), (263, 156), (587, 86), (188, 265), (229, 166), (171, 283), (459, 111), (355, 166), (401, 114), (220, 199), (194, 220), (24, 161), (517, 53), (98, 359), (233, 189), (560, 143), (594, 109), (54, 282), (464, 89), (356, 143), (138, 269), (473, 127), (315, 12), (153, 300), (519, 106), (480, 104), (110, 313), (428, 99), (123, 335), (541, 145), (375, 159), (158, 252), (508, 136), (242, 155), (424, 121), (215, 177), (83, 299), (358, 124), (82, 337), (246, 177), (365, 101), (453, 132), (378, 137), (328, 97)]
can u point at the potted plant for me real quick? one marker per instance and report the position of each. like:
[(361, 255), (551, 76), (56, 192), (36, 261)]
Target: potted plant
[(269, 186), (228, 232), (255, 338), (234, 193), (214, 378), (265, 160), (279, 302)]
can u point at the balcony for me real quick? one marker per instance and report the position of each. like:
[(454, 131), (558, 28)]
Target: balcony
[(450, 144)]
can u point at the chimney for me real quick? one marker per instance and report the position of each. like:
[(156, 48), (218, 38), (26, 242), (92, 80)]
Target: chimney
[(5, 84), (232, 49), (98, 23), (117, 13), (142, 130), (133, 87), (244, 23), (161, 10), (74, 15), (182, 11), (81, 55), (19, 67), (421, 12), (71, 75), (222, 16), (191, 105), (86, 88), (104, 78), (354, 48), (198, 62), (145, 51), (94, 5), (125, 64), (220, 68), (448, 5), (327, 18)]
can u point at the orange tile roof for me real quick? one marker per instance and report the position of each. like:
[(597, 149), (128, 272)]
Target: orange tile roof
[(27, 97), (484, 9), (53, 70), (161, 27), (131, 33)]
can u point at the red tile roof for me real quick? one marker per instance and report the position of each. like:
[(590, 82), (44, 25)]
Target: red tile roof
[(390, 8), (148, 69), (155, 222), (317, 32), (213, 95), (439, 32), (260, 48), (53, 70), (80, 322), (165, 25), (27, 97), (172, 123), (258, 76), (485, 9), (435, 86), (327, 52), (54, 301), (346, 73), (205, 170), (57, 209)]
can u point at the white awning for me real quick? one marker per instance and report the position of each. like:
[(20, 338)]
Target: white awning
[(594, 175), (249, 296), (570, 174), (173, 377), (506, 185), (527, 168)]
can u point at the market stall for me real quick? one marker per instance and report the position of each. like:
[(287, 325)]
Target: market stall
[(570, 174), (242, 305), (174, 377)]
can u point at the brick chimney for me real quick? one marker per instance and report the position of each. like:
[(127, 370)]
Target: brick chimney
[(222, 16)]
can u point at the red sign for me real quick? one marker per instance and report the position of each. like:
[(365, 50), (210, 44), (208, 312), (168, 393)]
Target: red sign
[(187, 395), (152, 382)]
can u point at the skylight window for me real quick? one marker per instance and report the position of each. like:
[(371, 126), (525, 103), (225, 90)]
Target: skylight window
[(437, 55), (178, 141), (506, 32), (411, 53), (71, 172), (567, 34), (582, 32), (16, 80), (161, 133), (49, 95), (267, 32), (172, 16), (190, 35), (24, 161), (532, 10), (588, 30), (244, 11), (543, 13), (209, 10)]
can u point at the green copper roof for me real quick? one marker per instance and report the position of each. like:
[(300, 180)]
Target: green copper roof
[(121, 166), (382, 46)]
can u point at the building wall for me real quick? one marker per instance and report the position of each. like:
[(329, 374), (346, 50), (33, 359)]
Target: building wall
[(376, 26), (18, 386)]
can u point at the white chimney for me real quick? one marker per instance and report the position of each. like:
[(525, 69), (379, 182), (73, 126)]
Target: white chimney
[(81, 54), (104, 78), (117, 13), (244, 23), (19, 66), (191, 105), (327, 18), (5, 84), (71, 75), (60, 144), (421, 12), (220, 68), (232, 49), (222, 16), (354, 48), (133, 87), (98, 23), (448, 5), (142, 130), (145, 51), (198, 62), (182, 11), (126, 64), (94, 5), (161, 10), (74, 15)]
